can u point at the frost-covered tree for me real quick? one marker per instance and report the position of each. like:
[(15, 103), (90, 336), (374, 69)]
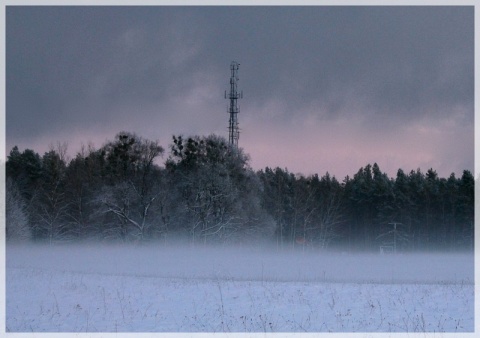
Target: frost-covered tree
[(132, 188), (16, 220), (215, 188), (50, 205)]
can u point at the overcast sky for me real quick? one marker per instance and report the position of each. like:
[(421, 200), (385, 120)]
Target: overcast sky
[(325, 88)]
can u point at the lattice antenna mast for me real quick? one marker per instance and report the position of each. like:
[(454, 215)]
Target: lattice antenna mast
[(233, 110)]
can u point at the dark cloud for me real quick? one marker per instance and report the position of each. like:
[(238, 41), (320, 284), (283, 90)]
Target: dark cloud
[(162, 70)]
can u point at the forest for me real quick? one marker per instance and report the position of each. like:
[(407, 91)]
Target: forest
[(204, 191)]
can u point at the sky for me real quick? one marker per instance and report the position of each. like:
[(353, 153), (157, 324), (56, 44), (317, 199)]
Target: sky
[(324, 88)]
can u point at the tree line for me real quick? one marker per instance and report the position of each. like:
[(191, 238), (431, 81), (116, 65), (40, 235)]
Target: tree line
[(204, 191)]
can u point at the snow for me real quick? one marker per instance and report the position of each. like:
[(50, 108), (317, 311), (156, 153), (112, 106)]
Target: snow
[(182, 289)]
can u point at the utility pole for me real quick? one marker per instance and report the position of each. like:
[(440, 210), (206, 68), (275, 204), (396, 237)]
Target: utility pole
[(233, 110), (394, 236)]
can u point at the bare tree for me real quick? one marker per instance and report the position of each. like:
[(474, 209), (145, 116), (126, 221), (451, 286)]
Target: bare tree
[(316, 210), (330, 219), (132, 209)]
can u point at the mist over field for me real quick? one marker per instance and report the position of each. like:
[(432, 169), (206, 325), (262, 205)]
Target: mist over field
[(181, 288), (248, 263)]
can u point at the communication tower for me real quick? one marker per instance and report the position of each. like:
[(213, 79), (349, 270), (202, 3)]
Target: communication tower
[(233, 110)]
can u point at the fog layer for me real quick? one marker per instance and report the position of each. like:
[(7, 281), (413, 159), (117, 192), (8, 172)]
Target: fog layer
[(245, 264)]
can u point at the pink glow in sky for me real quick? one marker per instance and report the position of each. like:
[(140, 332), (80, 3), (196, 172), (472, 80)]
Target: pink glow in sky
[(325, 88)]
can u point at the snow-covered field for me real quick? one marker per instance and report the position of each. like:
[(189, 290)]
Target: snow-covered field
[(181, 289)]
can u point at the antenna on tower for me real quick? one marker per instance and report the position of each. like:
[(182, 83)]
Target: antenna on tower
[(233, 110)]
